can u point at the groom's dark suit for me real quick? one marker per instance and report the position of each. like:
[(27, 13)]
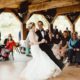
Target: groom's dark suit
[(46, 48)]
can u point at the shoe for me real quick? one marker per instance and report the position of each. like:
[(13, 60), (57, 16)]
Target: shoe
[(65, 61), (66, 64), (29, 55)]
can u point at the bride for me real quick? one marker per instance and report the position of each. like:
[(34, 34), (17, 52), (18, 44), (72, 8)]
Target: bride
[(41, 67)]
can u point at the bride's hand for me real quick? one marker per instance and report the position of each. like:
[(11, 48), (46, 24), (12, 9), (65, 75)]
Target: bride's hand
[(46, 41), (43, 41), (30, 43)]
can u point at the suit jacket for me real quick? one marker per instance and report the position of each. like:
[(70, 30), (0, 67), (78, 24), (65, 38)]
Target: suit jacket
[(40, 37)]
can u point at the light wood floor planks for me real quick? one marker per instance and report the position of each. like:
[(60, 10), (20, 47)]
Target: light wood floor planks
[(10, 70)]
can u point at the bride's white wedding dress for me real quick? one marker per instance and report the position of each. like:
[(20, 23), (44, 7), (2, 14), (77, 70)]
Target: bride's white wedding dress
[(41, 67)]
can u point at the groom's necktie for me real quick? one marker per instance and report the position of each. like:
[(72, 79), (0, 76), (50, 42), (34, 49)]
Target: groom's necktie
[(42, 32)]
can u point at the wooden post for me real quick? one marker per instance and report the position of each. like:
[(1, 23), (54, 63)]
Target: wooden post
[(25, 31), (73, 27)]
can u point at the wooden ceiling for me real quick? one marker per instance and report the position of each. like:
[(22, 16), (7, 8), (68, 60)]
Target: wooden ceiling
[(38, 5), (16, 3), (53, 4)]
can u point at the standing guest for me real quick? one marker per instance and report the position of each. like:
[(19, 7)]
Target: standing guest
[(55, 30), (60, 34), (74, 49), (51, 28), (68, 32)]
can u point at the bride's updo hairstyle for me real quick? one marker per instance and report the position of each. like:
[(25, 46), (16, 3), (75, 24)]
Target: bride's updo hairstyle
[(31, 25)]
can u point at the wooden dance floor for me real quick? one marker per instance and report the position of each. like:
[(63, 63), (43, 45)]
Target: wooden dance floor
[(10, 70), (69, 73)]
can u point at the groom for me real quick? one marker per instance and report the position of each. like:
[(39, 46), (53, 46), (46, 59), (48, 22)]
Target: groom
[(45, 47)]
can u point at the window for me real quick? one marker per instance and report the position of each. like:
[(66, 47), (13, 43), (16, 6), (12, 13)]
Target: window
[(77, 25), (62, 22), (38, 17), (9, 24)]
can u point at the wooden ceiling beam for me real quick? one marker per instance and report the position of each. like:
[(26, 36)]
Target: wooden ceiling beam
[(14, 4), (69, 9), (52, 4), (10, 3)]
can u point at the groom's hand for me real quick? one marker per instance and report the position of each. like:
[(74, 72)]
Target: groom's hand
[(44, 41)]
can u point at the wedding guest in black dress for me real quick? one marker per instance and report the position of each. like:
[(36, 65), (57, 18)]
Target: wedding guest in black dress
[(64, 45), (51, 39)]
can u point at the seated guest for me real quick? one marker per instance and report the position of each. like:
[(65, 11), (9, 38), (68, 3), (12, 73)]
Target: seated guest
[(2, 46), (55, 48), (51, 36), (63, 45), (8, 47), (74, 49), (55, 30), (50, 39), (10, 43), (57, 39), (60, 34)]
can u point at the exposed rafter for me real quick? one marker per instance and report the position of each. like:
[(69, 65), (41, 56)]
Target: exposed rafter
[(52, 4), (69, 9), (10, 3), (62, 6)]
